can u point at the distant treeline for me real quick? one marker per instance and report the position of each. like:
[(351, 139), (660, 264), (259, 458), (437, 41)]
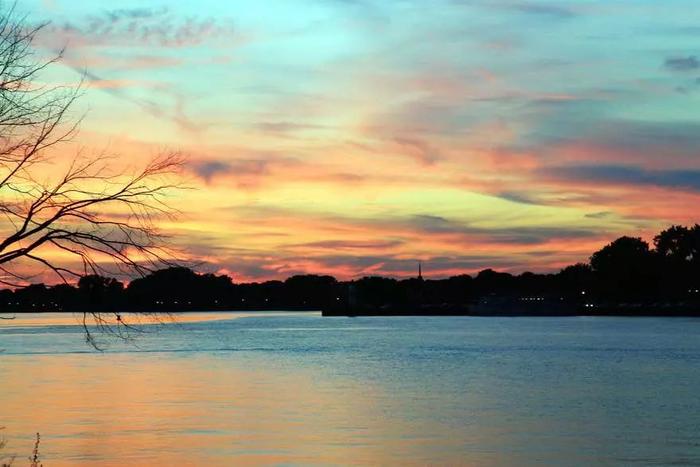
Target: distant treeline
[(627, 270)]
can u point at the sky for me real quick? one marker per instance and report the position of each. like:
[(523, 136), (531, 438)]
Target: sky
[(357, 137)]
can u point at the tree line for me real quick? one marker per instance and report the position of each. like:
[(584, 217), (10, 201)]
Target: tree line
[(626, 270)]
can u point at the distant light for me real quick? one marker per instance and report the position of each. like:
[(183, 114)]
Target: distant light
[(583, 292)]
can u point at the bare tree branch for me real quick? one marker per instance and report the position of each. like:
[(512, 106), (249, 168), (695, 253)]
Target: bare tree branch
[(101, 221)]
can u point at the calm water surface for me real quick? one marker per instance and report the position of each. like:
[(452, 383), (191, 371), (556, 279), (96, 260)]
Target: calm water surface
[(298, 389)]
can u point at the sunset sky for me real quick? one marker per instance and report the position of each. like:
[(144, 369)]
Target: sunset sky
[(355, 137)]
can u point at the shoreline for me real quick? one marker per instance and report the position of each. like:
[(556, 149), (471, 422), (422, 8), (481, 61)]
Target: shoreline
[(427, 312)]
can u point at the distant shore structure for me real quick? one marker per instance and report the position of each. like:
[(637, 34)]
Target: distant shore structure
[(420, 270)]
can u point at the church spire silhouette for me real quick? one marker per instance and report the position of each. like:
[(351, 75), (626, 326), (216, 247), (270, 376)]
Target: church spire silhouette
[(420, 271)]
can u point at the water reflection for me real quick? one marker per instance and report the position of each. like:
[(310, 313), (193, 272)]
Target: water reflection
[(391, 391), (69, 319), (201, 409)]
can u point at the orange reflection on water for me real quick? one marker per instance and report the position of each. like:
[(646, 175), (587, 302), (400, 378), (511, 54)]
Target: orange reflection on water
[(72, 319), (201, 409)]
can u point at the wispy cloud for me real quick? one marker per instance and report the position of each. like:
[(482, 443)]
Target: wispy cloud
[(208, 169), (151, 27), (690, 63), (122, 89), (542, 9), (686, 179), (514, 235)]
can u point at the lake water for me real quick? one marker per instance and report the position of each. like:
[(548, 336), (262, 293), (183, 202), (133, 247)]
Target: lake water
[(299, 389)]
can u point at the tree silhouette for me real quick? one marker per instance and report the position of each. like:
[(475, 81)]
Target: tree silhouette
[(99, 219), (679, 250), (575, 279), (69, 211), (676, 242), (626, 277), (625, 267)]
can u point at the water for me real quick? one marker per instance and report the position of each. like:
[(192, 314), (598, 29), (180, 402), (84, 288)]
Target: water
[(299, 389)]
